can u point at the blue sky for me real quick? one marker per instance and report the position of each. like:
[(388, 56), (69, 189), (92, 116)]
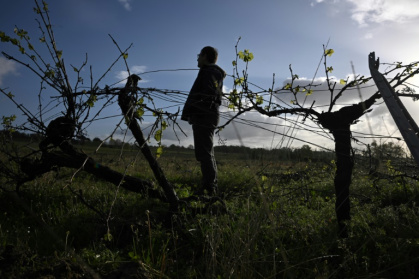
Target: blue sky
[(167, 34)]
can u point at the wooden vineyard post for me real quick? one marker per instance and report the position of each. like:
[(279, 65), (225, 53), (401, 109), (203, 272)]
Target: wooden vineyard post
[(401, 116)]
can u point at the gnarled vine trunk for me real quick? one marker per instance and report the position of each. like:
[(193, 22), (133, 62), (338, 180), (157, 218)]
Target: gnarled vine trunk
[(339, 123), (69, 157), (127, 104), (343, 175)]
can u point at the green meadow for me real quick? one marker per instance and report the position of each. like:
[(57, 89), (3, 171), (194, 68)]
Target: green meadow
[(275, 218)]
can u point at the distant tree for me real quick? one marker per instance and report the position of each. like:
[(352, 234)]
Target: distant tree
[(380, 152), (387, 150), (305, 152), (115, 142)]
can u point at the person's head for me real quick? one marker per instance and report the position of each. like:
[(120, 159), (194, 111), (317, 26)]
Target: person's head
[(208, 55)]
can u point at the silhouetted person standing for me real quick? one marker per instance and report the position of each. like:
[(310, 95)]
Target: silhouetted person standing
[(201, 110)]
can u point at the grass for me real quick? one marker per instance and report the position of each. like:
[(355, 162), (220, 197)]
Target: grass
[(280, 224)]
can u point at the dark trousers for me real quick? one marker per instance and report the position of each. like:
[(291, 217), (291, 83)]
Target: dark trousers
[(203, 132)]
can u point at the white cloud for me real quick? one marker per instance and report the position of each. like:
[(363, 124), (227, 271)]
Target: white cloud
[(226, 89), (368, 36), (7, 67), (321, 94), (138, 69), (274, 132), (315, 2), (365, 12), (121, 76), (126, 4)]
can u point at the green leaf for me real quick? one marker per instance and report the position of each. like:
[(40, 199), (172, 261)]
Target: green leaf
[(164, 125), (287, 86), (246, 56), (329, 52), (8, 120), (238, 81), (133, 256), (342, 81), (45, 6), (309, 92), (139, 112), (329, 69), (4, 37), (91, 101), (259, 100), (215, 84), (158, 135), (249, 57), (30, 46), (42, 39), (108, 236), (10, 95), (14, 41), (59, 54), (20, 32), (234, 63), (125, 55), (75, 69), (159, 151), (50, 73)]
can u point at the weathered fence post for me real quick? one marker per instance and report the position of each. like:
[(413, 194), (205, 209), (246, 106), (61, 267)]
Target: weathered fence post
[(401, 116)]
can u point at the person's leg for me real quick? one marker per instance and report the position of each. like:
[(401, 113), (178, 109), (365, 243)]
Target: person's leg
[(204, 153), (209, 174)]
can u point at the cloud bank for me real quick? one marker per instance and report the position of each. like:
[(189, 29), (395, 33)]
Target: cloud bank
[(366, 12), (121, 76), (7, 67), (378, 11), (126, 4), (256, 130)]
